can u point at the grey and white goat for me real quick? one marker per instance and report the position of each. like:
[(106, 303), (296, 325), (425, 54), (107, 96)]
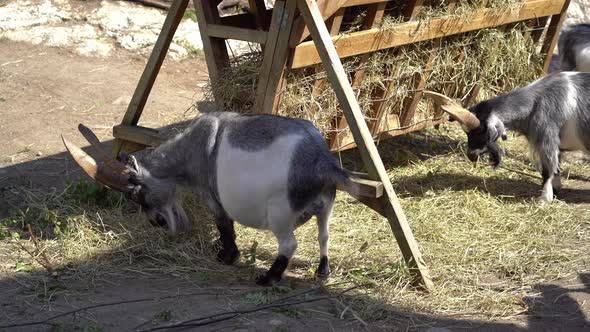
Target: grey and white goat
[(574, 48), (553, 113), (264, 171)]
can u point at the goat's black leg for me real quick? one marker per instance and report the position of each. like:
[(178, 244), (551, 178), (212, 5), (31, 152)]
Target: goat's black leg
[(229, 252), (287, 246), (556, 182), (323, 218)]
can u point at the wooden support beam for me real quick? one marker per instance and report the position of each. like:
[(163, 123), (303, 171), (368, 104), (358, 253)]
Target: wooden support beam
[(412, 32), (152, 68), (214, 48), (553, 34), (345, 94), (327, 8), (275, 57), (225, 32)]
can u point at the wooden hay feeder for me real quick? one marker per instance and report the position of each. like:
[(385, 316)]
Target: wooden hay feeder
[(297, 34)]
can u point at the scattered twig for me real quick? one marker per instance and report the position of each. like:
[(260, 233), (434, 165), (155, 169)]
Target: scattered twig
[(47, 321), (520, 172), (44, 260), (10, 63), (218, 317)]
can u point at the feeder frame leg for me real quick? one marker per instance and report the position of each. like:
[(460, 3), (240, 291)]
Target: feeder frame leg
[(552, 35), (388, 203), (152, 68), (276, 53)]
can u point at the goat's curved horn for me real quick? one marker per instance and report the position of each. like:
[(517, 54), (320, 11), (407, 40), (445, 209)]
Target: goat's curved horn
[(115, 165), (104, 175), (454, 109)]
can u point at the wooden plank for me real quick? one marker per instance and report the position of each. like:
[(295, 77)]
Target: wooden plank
[(391, 129), (411, 11), (553, 35), (226, 32), (327, 8), (372, 20), (412, 32), (148, 77), (138, 134), (367, 187), (214, 48), (345, 94), (244, 21), (258, 9), (275, 57)]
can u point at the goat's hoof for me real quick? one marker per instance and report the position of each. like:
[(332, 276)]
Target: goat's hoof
[(542, 201), (267, 280), (228, 257), (323, 270)]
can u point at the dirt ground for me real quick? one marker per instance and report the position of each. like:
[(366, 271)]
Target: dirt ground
[(46, 91)]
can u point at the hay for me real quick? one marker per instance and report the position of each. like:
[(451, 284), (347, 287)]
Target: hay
[(493, 60)]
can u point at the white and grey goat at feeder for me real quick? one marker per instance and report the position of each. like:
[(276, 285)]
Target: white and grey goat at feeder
[(574, 48), (553, 113), (264, 171)]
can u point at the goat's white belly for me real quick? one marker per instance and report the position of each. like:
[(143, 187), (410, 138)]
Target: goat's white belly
[(252, 185), (570, 139)]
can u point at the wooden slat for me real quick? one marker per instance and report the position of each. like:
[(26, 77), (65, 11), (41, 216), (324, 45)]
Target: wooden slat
[(552, 35), (245, 21), (225, 32), (411, 104), (366, 186), (412, 32), (371, 159), (214, 48), (391, 129), (258, 9), (148, 77), (275, 56), (372, 20), (381, 97), (327, 8), (138, 134)]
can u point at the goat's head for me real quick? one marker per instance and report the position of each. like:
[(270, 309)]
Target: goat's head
[(155, 195), (481, 136)]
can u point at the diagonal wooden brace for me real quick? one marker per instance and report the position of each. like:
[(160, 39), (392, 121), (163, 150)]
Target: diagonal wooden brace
[(388, 204)]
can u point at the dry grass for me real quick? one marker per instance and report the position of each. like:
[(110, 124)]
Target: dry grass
[(486, 242)]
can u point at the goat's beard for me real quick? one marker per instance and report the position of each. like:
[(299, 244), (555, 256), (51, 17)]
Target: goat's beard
[(495, 154)]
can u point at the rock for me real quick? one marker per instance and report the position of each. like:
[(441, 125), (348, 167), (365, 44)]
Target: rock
[(39, 154), (123, 100), (275, 322)]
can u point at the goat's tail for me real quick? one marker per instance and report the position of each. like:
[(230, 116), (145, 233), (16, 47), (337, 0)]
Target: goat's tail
[(341, 178)]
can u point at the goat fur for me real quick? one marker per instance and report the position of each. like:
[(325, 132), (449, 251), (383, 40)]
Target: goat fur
[(553, 113), (264, 171)]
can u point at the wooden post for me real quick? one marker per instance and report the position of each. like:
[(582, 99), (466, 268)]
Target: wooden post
[(214, 48), (276, 52), (146, 82), (552, 35), (388, 204)]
